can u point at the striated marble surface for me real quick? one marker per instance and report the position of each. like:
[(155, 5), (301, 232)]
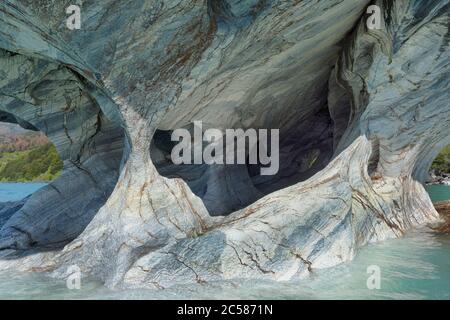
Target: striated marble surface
[(370, 106)]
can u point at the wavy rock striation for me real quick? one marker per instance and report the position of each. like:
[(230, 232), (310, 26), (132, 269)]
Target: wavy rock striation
[(362, 114)]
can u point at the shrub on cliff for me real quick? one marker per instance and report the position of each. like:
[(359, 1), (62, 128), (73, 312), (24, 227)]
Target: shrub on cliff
[(38, 164)]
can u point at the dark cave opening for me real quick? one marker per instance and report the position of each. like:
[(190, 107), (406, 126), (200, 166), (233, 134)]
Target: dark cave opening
[(438, 182), (304, 149)]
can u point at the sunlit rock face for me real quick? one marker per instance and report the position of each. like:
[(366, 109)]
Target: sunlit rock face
[(362, 113)]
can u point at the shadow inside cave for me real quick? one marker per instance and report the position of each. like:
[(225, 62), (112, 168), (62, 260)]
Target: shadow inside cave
[(305, 148)]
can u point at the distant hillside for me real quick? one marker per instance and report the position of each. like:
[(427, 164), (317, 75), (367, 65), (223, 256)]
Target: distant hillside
[(39, 164), (442, 162), (27, 155), (14, 138)]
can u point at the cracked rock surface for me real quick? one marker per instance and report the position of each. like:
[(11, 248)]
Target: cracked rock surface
[(362, 114)]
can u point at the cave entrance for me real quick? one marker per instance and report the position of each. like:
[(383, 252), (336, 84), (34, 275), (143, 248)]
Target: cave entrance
[(28, 162), (27, 157), (438, 184), (305, 147), (57, 101), (64, 189)]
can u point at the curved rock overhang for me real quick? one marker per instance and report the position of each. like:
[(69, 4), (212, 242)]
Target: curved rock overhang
[(44, 96), (373, 103)]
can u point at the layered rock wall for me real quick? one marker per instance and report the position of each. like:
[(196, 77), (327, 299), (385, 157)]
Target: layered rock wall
[(362, 113)]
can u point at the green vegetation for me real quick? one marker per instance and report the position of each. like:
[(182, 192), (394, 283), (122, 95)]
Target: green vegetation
[(442, 162), (38, 164)]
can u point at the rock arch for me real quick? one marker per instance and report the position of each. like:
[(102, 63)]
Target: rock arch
[(44, 96)]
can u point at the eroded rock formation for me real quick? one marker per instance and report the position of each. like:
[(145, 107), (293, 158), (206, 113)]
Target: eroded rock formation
[(443, 208), (362, 113)]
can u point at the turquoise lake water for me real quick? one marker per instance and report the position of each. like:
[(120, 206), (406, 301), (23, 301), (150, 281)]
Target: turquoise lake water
[(438, 192), (13, 191), (416, 266)]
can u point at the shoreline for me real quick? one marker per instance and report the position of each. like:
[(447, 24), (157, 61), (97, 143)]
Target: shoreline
[(443, 208), (440, 179), (438, 183)]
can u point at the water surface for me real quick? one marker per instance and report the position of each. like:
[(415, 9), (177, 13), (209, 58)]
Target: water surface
[(13, 191)]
